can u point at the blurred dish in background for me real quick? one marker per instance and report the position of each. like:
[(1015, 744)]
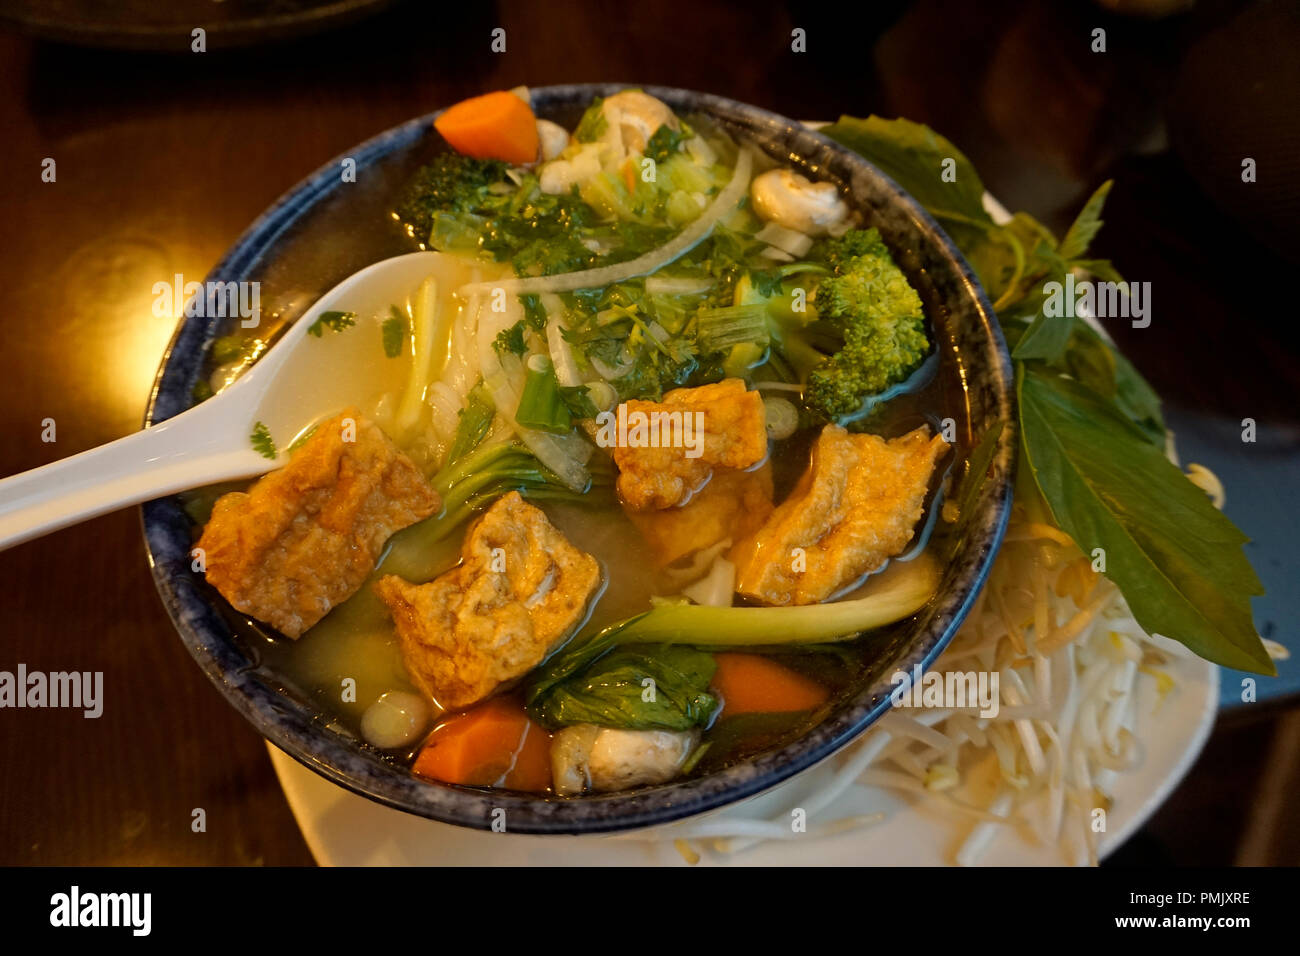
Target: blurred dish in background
[(168, 27)]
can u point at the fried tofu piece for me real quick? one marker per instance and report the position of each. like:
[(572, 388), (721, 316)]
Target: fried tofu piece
[(520, 590), (732, 505), (304, 537), (731, 433), (855, 507)]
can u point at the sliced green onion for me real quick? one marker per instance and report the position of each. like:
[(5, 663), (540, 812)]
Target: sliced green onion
[(722, 328), (542, 406), (782, 418)]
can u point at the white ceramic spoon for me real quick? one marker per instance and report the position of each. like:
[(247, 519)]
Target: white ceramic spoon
[(299, 381)]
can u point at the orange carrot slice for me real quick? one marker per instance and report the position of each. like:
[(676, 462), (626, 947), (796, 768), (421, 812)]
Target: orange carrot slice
[(493, 126), (754, 684), (493, 744)]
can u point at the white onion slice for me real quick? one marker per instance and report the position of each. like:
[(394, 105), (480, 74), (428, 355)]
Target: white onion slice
[(789, 241), (659, 285)]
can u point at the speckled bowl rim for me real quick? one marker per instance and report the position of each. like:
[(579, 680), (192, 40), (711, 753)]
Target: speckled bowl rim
[(307, 735)]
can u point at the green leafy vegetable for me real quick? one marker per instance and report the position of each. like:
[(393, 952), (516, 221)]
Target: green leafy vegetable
[(916, 157), (394, 332), (541, 405), (335, 321), (477, 473), (593, 124), (663, 143), (474, 421), (1086, 225), (658, 687), (578, 400), (511, 340), (534, 312), (721, 328), (451, 183), (262, 442), (1178, 560)]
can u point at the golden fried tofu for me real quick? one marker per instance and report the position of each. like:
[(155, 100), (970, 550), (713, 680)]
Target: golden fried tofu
[(732, 505), (729, 431), (304, 537), (520, 590), (854, 508)]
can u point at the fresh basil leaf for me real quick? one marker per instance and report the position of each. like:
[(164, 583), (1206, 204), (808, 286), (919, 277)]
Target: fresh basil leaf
[(1046, 338), (1093, 362), (916, 157), (645, 687), (1178, 561), (1086, 224), (1101, 268)]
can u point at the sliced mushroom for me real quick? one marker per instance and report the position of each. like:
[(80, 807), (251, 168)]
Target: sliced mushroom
[(788, 199), (637, 116)]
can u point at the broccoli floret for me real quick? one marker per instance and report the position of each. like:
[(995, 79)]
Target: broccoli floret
[(869, 302), (856, 242), (847, 330), (451, 183)]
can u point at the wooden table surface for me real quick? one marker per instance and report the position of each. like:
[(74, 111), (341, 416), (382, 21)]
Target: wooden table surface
[(162, 160)]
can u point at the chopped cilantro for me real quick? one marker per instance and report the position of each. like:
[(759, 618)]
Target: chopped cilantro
[(262, 442), (534, 312), (394, 333), (511, 340), (664, 143), (336, 321)]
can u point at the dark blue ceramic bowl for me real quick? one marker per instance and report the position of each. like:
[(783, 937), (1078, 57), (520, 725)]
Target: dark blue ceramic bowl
[(326, 228)]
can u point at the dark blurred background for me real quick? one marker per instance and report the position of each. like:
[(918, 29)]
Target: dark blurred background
[(165, 155)]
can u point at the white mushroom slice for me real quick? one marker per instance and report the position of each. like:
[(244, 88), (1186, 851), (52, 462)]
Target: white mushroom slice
[(554, 138), (637, 116), (784, 197)]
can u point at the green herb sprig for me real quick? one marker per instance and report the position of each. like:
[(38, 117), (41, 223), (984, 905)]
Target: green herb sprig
[(1091, 431)]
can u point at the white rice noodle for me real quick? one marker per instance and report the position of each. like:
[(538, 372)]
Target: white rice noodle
[(652, 261)]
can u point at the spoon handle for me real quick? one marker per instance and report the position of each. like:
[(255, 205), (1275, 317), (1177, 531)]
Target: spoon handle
[(197, 447)]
